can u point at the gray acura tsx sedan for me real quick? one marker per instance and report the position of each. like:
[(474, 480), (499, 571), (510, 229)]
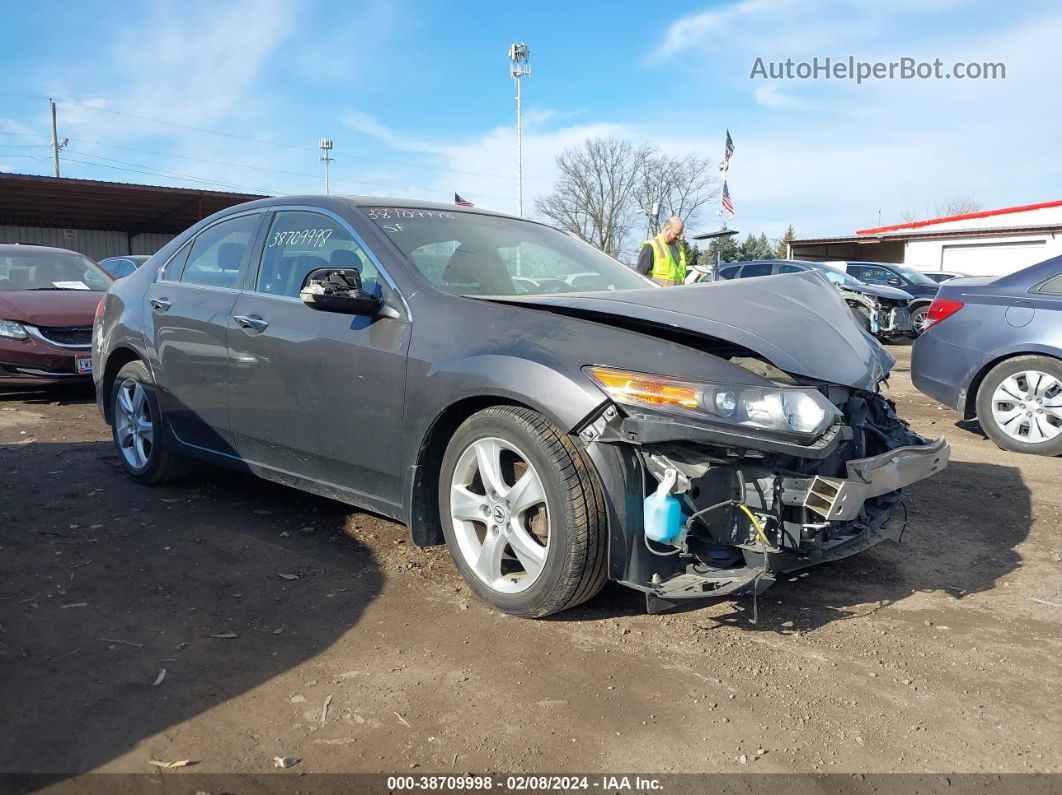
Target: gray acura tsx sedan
[(506, 389)]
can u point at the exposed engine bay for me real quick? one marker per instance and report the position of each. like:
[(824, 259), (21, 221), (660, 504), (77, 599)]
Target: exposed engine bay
[(748, 513), (886, 317)]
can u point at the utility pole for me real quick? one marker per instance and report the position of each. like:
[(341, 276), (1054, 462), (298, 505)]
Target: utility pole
[(326, 147), (519, 67), (55, 139)]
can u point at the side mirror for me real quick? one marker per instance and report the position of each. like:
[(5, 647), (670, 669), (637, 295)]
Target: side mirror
[(895, 281), (338, 290)]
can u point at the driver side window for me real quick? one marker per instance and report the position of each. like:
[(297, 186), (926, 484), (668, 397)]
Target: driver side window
[(299, 242), (876, 276)]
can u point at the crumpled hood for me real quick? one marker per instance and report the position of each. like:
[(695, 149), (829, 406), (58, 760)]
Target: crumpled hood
[(50, 307), (797, 321)]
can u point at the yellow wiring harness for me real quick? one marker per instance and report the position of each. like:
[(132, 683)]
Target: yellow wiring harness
[(755, 524)]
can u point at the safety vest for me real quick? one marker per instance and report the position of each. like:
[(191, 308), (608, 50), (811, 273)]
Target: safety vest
[(664, 266)]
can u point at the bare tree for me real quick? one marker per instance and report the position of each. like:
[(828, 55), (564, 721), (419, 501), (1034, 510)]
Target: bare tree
[(956, 205), (606, 185), (594, 195), (677, 185)]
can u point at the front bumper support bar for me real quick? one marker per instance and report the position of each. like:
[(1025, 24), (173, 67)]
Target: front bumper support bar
[(837, 500)]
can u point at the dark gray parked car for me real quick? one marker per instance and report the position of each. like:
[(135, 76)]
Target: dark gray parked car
[(556, 419), (993, 350), (881, 310)]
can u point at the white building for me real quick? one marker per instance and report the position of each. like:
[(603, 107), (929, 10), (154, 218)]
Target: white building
[(992, 242)]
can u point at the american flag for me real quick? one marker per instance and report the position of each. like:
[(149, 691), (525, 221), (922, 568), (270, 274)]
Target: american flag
[(728, 205), (728, 150), (462, 202)]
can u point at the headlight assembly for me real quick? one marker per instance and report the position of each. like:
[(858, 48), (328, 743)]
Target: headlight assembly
[(790, 411), (11, 330)]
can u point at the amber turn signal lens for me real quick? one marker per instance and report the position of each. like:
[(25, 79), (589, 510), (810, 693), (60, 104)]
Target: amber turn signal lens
[(644, 389)]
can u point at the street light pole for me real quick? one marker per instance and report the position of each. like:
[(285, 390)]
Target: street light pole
[(519, 67)]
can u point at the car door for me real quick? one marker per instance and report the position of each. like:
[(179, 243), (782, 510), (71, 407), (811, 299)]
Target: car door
[(318, 394), (191, 310)]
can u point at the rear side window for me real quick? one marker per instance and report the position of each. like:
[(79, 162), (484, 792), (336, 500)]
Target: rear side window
[(728, 273), (299, 242), (757, 269), (216, 255), (1052, 285)]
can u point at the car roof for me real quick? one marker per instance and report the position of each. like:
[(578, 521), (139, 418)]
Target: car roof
[(14, 248)]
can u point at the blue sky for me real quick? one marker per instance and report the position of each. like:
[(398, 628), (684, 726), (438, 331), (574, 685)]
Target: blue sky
[(417, 98)]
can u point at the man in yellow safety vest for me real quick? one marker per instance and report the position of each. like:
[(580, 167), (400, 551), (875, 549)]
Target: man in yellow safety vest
[(662, 259)]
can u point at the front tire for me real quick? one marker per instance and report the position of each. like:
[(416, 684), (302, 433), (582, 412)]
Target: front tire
[(522, 513), (919, 316), (145, 449), (1019, 405)]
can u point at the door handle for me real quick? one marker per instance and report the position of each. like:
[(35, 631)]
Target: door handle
[(251, 323), (161, 304)]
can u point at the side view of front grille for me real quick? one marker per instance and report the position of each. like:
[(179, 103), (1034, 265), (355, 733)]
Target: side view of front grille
[(66, 336)]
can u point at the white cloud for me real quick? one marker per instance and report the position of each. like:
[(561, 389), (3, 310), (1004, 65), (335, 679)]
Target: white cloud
[(711, 27), (770, 96)]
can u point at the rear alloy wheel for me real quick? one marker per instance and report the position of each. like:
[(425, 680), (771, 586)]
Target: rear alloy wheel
[(919, 317), (522, 513), (133, 426), (1019, 405), (145, 449)]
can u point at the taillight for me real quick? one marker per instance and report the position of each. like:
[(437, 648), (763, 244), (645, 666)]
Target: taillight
[(99, 309), (941, 309)]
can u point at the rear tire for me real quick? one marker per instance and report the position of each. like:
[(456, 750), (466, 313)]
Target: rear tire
[(144, 447), (1019, 405), (530, 537)]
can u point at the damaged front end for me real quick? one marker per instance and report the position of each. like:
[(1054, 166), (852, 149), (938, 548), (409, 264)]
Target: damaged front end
[(753, 503), (887, 317)]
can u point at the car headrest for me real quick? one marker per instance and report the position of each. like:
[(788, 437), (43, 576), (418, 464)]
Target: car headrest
[(230, 255), (345, 258), (479, 269)]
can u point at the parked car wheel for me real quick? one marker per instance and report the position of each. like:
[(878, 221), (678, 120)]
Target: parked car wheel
[(919, 316), (522, 513), (143, 446), (862, 317), (1019, 405)]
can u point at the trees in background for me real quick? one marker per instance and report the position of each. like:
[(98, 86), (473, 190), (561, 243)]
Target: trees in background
[(956, 205), (607, 188), (752, 247)]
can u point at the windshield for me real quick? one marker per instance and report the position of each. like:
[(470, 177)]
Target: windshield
[(472, 254), (915, 277), (840, 278), (24, 268)]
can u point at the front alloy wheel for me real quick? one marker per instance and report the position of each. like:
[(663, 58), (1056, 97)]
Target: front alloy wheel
[(522, 512), (919, 318), (499, 514)]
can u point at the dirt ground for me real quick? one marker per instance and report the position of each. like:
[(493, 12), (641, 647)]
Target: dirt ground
[(289, 625)]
